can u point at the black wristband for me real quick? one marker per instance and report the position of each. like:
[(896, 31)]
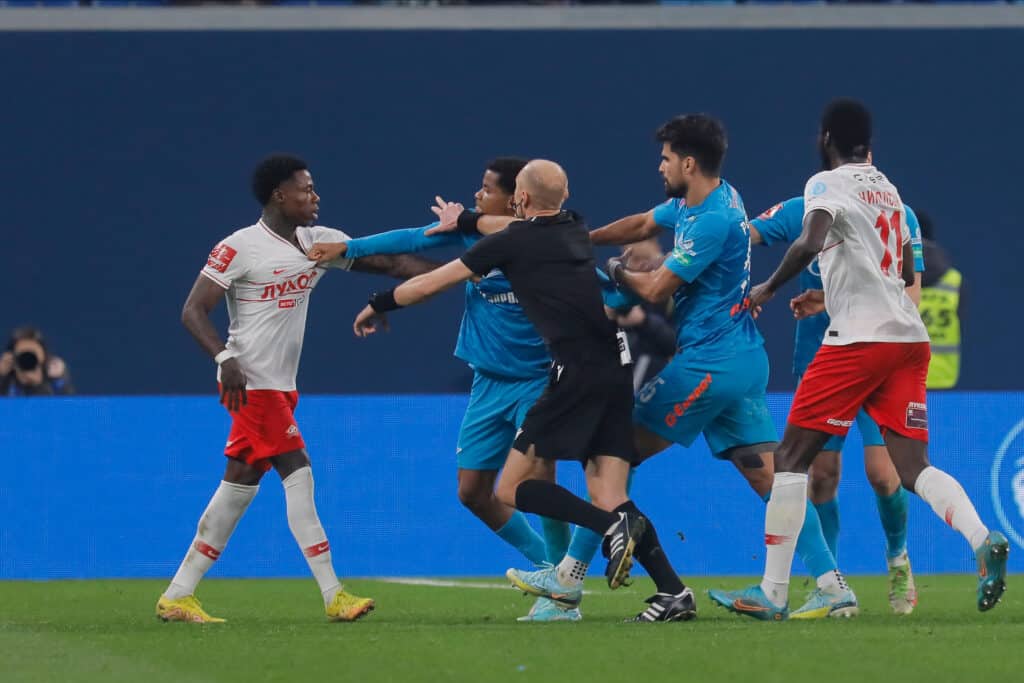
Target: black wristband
[(468, 221), (382, 302)]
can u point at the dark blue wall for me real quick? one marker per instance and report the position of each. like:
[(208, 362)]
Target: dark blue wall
[(117, 490), (125, 157)]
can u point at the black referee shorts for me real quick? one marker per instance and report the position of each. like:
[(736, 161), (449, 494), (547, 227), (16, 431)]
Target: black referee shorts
[(585, 411)]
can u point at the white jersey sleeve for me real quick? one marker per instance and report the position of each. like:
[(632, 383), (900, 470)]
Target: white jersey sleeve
[(825, 192), (318, 233), (228, 261)]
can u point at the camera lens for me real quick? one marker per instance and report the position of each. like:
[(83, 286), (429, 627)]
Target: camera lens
[(26, 361)]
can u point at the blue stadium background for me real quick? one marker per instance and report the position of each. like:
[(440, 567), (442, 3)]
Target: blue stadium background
[(126, 157)]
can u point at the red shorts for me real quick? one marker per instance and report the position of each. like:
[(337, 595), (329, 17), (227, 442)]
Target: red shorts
[(264, 427), (886, 378)]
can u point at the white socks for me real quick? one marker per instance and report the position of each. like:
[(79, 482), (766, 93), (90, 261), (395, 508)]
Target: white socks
[(950, 502), (218, 522), (308, 532), (783, 520), (571, 571)]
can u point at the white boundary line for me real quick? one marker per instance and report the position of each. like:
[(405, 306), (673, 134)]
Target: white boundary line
[(320, 18), (448, 583)]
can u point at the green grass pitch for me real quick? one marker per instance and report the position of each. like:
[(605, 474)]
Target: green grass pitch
[(106, 631)]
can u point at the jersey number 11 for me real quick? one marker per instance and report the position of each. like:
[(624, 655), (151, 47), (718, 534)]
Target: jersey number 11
[(887, 227)]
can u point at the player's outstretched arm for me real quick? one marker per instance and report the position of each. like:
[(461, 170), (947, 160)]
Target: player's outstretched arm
[(635, 228), (400, 266), (195, 316), (799, 255), (402, 241), (409, 293)]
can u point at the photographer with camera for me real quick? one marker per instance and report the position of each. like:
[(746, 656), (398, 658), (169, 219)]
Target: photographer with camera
[(27, 369)]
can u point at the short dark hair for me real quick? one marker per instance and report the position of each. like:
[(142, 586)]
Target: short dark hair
[(26, 332), (273, 171), (927, 226), (699, 136), (848, 124), (507, 168)]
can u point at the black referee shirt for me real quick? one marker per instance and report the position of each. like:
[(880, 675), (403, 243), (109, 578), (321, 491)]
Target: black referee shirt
[(549, 262)]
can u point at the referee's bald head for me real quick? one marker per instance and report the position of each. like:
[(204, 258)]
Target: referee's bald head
[(545, 183)]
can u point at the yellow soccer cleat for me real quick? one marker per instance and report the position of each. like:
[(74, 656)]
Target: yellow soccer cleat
[(184, 609), (348, 607)]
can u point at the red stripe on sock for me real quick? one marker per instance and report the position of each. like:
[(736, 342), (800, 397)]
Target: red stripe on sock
[(949, 515), (773, 539), (318, 549), (207, 549)]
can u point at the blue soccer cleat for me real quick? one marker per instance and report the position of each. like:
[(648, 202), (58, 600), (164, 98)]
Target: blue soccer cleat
[(820, 605), (544, 584), (992, 570), (750, 601), (546, 609)]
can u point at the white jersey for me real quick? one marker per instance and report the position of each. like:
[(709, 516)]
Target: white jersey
[(268, 281), (862, 259)]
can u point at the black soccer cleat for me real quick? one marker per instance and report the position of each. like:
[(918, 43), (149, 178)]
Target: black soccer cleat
[(665, 607), (619, 543)]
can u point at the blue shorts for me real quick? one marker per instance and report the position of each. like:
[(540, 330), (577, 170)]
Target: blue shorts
[(724, 400), (496, 409), (870, 434)]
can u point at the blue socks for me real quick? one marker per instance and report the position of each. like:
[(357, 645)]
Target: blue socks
[(518, 533), (584, 545), (892, 511), (556, 539), (828, 513)]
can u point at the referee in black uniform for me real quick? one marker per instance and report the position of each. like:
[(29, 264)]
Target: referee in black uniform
[(585, 414)]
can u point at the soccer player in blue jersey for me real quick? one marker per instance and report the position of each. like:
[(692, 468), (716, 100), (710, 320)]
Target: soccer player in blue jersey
[(784, 223), (716, 384), (510, 366)]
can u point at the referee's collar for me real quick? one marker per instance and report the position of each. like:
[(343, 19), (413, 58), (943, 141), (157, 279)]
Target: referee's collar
[(563, 216)]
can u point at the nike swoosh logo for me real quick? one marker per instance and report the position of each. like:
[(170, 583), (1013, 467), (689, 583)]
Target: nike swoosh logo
[(748, 607), (278, 272)]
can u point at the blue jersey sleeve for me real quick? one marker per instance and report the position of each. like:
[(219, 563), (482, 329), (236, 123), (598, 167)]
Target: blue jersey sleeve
[(915, 238), (613, 296), (666, 214), (781, 223), (404, 241), (698, 247)]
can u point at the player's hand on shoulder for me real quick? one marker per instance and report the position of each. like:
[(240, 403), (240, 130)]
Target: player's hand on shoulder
[(322, 252), (369, 321), (808, 303), (447, 215), (232, 385)]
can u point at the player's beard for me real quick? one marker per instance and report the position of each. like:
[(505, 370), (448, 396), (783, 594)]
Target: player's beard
[(676, 192)]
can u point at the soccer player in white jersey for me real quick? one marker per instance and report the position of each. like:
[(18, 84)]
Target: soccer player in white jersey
[(265, 276), (875, 354)]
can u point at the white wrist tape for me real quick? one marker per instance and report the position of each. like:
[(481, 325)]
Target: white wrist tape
[(224, 355)]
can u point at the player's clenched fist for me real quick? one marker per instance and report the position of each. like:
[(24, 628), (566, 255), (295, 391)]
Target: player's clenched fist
[(327, 251), (369, 321), (806, 304), (232, 385)]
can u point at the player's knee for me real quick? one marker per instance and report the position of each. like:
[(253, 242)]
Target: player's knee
[(474, 497), (824, 484), (506, 492)]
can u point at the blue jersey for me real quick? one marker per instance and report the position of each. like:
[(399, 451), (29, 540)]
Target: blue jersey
[(712, 254), (495, 336), (784, 223)]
